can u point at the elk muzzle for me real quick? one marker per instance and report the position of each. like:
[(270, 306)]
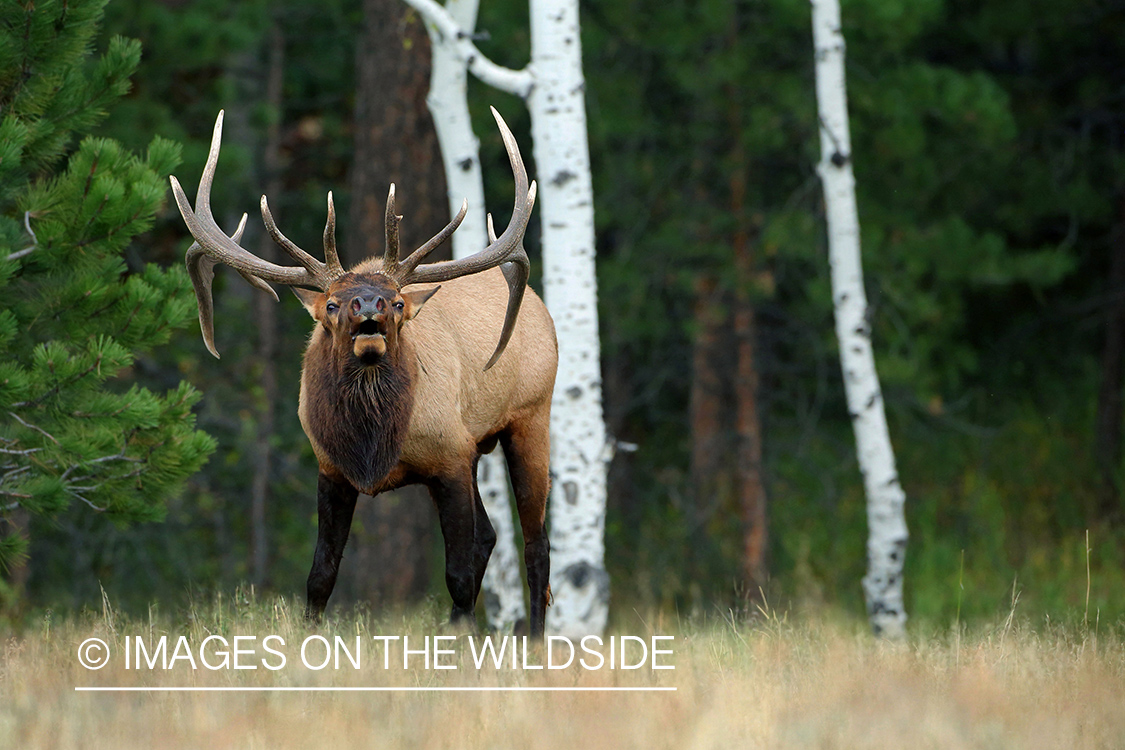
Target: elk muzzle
[(369, 321)]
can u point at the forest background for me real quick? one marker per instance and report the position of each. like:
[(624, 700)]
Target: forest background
[(989, 148)]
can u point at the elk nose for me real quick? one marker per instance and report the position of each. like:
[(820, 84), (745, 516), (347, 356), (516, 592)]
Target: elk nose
[(368, 305)]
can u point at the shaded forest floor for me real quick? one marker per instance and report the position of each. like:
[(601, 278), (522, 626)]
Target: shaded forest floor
[(776, 682)]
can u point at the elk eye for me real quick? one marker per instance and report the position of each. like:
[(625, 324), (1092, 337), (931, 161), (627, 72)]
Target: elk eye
[(399, 305), (332, 307)]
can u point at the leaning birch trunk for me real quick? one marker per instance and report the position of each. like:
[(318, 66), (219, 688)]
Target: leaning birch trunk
[(460, 152), (554, 89), (886, 542), (578, 439)]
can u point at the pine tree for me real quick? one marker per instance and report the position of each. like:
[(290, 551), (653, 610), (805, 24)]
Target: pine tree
[(73, 315)]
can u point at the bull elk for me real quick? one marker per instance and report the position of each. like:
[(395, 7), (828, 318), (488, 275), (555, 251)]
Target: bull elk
[(393, 395)]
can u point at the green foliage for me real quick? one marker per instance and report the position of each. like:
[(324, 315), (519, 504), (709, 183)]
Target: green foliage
[(986, 510), (75, 317), (199, 59), (978, 206)]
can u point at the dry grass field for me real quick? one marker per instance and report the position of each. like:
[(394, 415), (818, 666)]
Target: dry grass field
[(774, 682)]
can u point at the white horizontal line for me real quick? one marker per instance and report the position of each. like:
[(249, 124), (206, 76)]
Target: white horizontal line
[(499, 689)]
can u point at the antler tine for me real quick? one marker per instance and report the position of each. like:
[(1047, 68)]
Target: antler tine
[(491, 229), (516, 272), (315, 268), (390, 255), (201, 269), (330, 255), (406, 267)]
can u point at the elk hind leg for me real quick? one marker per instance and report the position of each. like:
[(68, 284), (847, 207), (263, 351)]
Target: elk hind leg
[(527, 450), (484, 538)]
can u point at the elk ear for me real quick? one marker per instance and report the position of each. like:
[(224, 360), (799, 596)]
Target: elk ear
[(415, 300), (313, 301)]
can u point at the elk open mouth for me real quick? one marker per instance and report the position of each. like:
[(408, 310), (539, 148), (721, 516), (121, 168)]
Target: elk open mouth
[(366, 328), (368, 342)]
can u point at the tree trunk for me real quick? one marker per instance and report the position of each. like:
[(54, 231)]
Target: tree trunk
[(448, 102), (751, 487), (1107, 435), (578, 446), (749, 483), (460, 150), (266, 315), (748, 427), (394, 142), (887, 535), (554, 90), (394, 136), (706, 409)]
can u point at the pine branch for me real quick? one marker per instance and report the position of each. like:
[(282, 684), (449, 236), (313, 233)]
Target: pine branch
[(91, 415), (13, 472), (60, 384), (132, 315), (34, 240), (25, 66), (90, 221), (27, 452), (90, 176), (110, 233), (30, 426), (116, 457), (98, 508), (62, 422)]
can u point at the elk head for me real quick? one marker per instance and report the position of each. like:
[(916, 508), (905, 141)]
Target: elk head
[(363, 310), (363, 315)]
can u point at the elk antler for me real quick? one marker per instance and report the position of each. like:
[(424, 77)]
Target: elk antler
[(213, 246), (507, 251)]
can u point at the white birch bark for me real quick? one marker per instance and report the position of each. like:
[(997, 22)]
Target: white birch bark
[(578, 439), (460, 152), (554, 89), (887, 534)]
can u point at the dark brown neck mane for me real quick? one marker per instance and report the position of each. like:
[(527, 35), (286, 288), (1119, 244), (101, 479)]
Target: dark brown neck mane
[(359, 415)]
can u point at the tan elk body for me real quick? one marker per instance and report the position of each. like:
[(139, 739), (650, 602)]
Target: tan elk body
[(449, 343), (394, 394)]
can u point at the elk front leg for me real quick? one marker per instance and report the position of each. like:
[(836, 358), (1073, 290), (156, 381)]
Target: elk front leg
[(456, 507), (335, 504)]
